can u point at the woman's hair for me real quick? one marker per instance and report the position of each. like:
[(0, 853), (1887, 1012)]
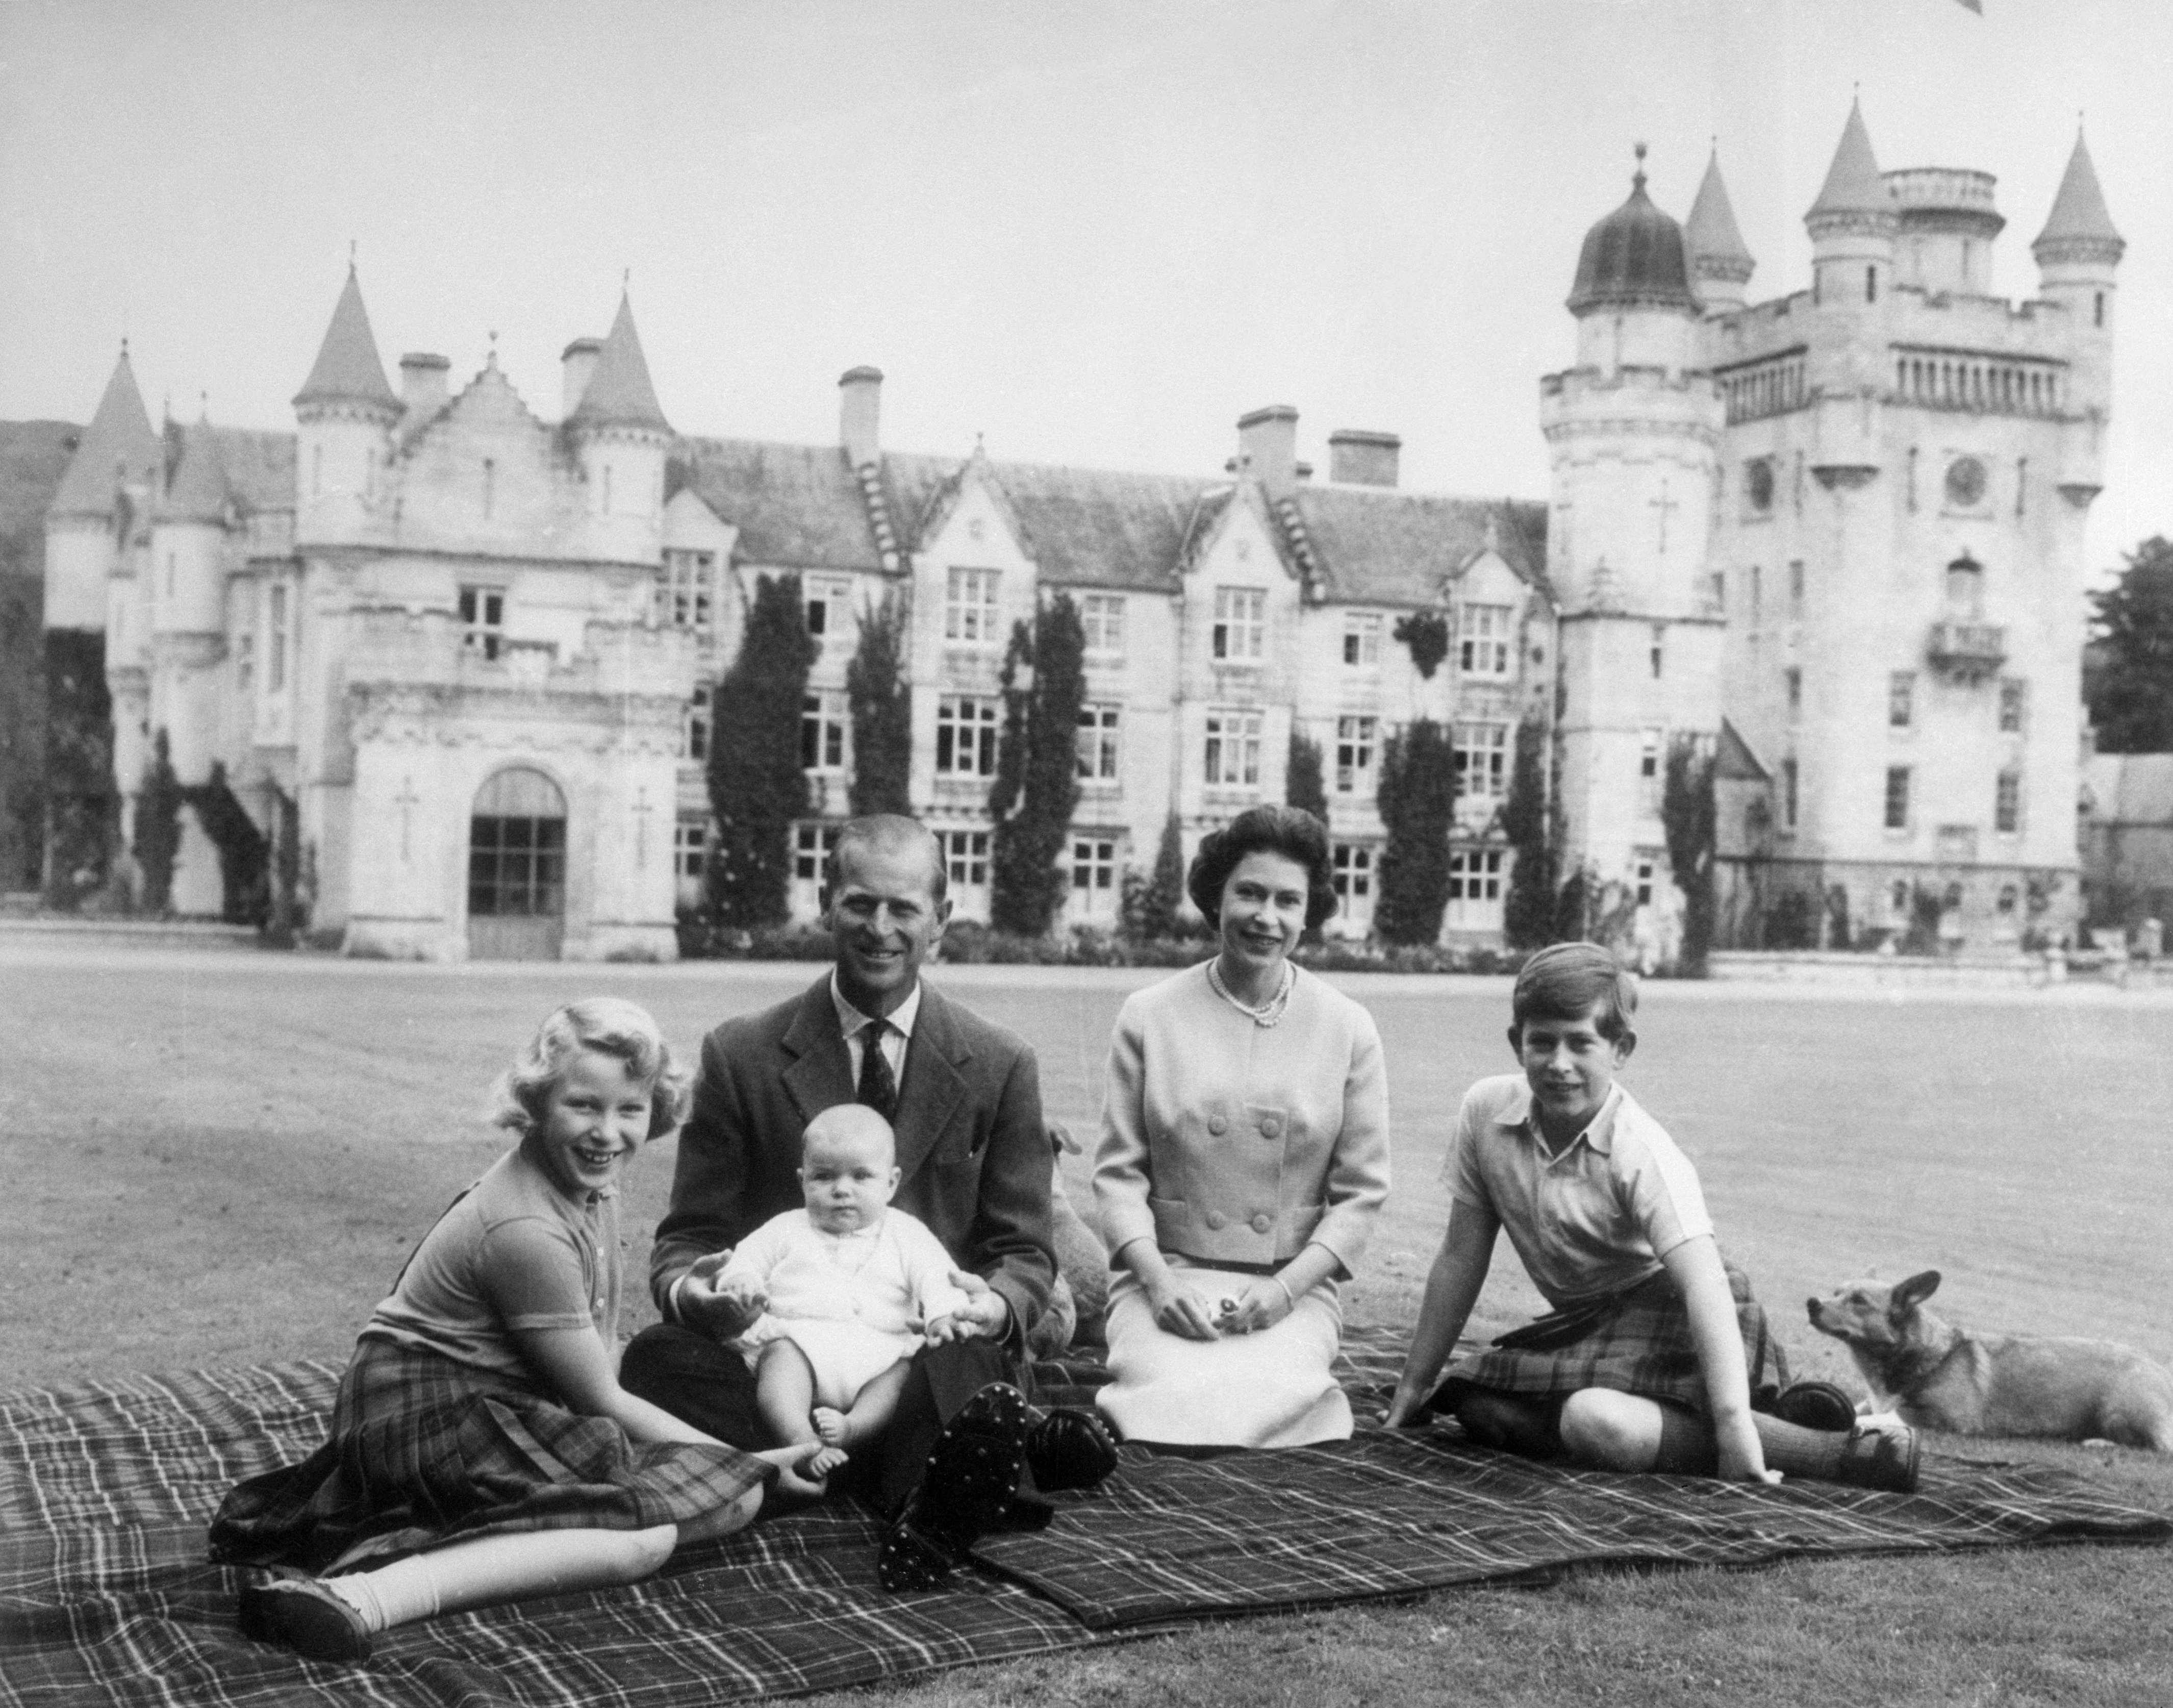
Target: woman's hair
[(1289, 831), (1566, 981), (611, 1027)]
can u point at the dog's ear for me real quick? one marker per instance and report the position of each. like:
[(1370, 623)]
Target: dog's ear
[(1910, 1293)]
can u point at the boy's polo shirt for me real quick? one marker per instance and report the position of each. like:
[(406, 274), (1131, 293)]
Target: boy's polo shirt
[(1596, 1218)]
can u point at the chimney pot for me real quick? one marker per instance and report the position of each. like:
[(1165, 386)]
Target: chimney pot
[(577, 363), (422, 385), (859, 410), (1358, 457)]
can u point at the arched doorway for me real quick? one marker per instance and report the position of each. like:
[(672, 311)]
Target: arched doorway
[(517, 867)]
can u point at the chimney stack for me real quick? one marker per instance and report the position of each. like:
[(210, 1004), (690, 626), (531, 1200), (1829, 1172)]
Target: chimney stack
[(860, 409), (1267, 447), (423, 383), (1357, 457), (577, 363)]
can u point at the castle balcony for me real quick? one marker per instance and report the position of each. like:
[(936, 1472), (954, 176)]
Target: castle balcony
[(1967, 651), (1980, 382), (1771, 385)]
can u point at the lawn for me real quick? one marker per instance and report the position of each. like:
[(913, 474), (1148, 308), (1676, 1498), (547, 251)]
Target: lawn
[(222, 1159)]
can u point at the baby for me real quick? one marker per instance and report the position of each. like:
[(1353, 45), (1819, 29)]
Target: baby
[(848, 1288)]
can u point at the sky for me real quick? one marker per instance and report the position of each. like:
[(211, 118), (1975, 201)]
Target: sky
[(1084, 231)]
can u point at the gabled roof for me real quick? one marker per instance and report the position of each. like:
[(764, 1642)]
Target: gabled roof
[(619, 393), (1854, 184), (2078, 213), (1387, 547), (119, 437), (1714, 243), (348, 368)]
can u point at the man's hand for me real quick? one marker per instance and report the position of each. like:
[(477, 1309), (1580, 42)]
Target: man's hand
[(984, 1315), (723, 1312), (940, 1329)]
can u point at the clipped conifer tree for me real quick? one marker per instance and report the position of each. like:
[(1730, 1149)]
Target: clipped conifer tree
[(881, 700), (1159, 913), (756, 787), (1527, 911), (1037, 784), (1302, 786), (1689, 812), (158, 826), (1418, 809), (80, 804)]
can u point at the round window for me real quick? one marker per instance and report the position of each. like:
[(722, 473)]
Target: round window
[(1758, 482), (1964, 483)]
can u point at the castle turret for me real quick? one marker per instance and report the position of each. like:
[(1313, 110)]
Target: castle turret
[(1721, 263), (618, 431), (345, 413), (187, 570), (2077, 255), (101, 495), (1853, 225), (1946, 225)]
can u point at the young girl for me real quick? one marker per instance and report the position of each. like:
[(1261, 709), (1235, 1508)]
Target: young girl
[(482, 1449)]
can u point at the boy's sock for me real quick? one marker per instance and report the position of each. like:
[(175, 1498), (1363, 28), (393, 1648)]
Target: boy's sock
[(1527, 1424), (1796, 1451)]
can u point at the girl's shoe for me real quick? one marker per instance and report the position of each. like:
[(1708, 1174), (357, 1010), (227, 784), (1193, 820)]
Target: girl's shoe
[(316, 1622)]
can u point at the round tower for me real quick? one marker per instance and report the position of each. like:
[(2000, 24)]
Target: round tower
[(618, 433), (344, 415), (1946, 224), (2078, 256), (188, 570), (1852, 226)]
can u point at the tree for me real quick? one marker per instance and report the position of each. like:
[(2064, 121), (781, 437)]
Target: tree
[(881, 699), (158, 826), (1152, 903), (756, 787), (22, 729), (1037, 786), (1425, 635), (80, 803), (1527, 911), (2131, 688), (1418, 808), (1689, 813), (1302, 787)]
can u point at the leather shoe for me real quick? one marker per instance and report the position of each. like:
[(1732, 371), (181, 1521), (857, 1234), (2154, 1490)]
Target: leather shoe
[(316, 1622), (1883, 1459), (1815, 1405), (967, 1483), (1070, 1448)]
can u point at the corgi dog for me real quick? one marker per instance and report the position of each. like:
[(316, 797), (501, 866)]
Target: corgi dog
[(1936, 1376)]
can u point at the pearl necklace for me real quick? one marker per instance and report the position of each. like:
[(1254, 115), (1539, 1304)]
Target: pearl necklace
[(1269, 1012)]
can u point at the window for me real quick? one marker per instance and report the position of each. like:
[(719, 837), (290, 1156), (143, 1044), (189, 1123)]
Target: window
[(1102, 615), (966, 736), (1648, 770), (1965, 483), (1481, 755), (1354, 741), (829, 605), (1757, 591), (244, 659), (965, 858), (969, 607), (1795, 589), (2008, 896), (822, 732), (1483, 640), (1900, 699), (1240, 622), (1897, 797), (1094, 866), (2007, 804), (1965, 587), (1659, 649), (1789, 795), (686, 592), (1793, 678), (1758, 483), (489, 485), (482, 620), (690, 847), (1350, 866), (1475, 875), (1233, 749), (694, 725), (1361, 639), (2013, 696), (275, 638), (812, 844), (1643, 869), (1871, 284), (1097, 743)]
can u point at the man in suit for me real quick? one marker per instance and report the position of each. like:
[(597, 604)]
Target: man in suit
[(964, 1098)]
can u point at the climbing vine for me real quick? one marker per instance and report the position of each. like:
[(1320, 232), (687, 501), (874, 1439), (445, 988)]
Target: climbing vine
[(1689, 812), (1418, 809), (1037, 783), (757, 788), (1527, 911), (881, 700), (1425, 635)]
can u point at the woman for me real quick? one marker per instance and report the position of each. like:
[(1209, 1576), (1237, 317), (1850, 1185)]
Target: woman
[(1244, 1154)]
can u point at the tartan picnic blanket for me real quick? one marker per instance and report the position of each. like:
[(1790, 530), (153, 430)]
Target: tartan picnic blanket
[(105, 1594)]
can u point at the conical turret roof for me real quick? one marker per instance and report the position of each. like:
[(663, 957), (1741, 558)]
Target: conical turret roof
[(196, 484), (349, 370), (1714, 243), (2078, 213), (1633, 258), (619, 393), (118, 444), (1853, 185)]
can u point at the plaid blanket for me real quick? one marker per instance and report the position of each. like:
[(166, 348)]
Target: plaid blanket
[(106, 1595)]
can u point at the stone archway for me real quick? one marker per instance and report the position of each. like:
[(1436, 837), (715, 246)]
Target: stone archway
[(517, 867)]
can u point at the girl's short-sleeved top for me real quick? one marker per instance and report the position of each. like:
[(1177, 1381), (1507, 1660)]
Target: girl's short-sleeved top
[(512, 1252)]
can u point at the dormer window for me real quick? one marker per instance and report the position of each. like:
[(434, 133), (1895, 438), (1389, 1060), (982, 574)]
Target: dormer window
[(1240, 622), (1483, 636)]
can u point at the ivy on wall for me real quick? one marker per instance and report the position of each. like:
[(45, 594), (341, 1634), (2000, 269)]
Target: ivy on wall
[(158, 826), (1037, 783), (1425, 635), (1528, 910), (881, 701), (1303, 785), (1418, 809), (1689, 812), (757, 788), (81, 805)]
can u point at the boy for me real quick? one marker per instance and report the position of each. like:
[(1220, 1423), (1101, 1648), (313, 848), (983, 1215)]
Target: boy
[(1647, 1360), (847, 1289)]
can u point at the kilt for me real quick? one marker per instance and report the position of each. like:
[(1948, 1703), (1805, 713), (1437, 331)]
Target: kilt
[(425, 1450), (1636, 1341)]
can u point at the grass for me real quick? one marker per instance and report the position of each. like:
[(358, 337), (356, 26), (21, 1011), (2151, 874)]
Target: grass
[(223, 1160)]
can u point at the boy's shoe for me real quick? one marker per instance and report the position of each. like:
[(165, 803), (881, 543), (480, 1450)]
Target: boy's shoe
[(316, 1622), (1884, 1459), (1815, 1405), (1070, 1448)]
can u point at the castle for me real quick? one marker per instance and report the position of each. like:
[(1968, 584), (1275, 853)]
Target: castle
[(465, 652)]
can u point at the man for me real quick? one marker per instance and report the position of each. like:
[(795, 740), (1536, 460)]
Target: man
[(964, 1097)]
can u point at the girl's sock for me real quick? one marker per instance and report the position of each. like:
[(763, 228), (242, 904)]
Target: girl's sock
[(392, 1595)]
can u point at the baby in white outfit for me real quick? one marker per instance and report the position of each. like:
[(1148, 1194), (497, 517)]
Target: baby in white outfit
[(849, 1289)]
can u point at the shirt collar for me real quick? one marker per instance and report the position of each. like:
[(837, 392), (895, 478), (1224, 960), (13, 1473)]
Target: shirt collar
[(1599, 1134), (850, 1020)]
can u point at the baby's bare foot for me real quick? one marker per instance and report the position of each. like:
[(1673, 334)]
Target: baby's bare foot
[(826, 1462), (830, 1426), (800, 1468)]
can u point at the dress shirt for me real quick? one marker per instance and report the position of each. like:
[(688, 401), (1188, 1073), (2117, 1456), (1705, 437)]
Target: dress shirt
[(898, 1033)]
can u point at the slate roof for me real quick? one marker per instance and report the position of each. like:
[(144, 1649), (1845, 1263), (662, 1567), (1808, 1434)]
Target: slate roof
[(347, 368), (619, 392), (2080, 210), (119, 435), (211, 468), (1711, 234), (1394, 547), (1633, 258), (796, 506), (1853, 185)]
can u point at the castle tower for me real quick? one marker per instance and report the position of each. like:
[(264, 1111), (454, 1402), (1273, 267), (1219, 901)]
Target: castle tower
[(2078, 256), (1852, 226), (1721, 263), (618, 432), (101, 495), (1631, 433), (345, 413), (187, 571)]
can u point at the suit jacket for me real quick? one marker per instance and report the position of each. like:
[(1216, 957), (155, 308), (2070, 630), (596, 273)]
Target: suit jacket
[(972, 1148)]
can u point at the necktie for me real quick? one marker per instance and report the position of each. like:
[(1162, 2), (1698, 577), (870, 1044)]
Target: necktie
[(878, 1087)]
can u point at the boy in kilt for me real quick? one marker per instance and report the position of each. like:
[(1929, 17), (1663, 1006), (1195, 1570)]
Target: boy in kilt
[(1654, 1349)]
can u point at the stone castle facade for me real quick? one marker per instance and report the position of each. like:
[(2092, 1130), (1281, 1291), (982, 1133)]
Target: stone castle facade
[(469, 647)]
